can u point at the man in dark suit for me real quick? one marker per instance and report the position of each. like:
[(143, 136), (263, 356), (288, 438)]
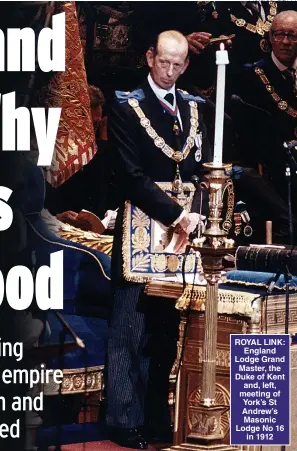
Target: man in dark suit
[(270, 85), (249, 21), (144, 153), (200, 21)]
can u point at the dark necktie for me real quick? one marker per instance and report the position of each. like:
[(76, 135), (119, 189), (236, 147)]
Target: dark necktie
[(175, 124), (255, 8), (290, 75), (169, 98), (177, 182)]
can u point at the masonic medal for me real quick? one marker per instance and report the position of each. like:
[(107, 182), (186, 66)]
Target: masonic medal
[(247, 231), (245, 216), (177, 184), (198, 141), (237, 222), (264, 45), (198, 155)]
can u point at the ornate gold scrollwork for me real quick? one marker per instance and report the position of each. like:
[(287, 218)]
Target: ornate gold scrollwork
[(202, 424), (227, 224)]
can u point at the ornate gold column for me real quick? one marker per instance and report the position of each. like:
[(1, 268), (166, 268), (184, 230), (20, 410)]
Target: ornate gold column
[(212, 253), (209, 352), (208, 434)]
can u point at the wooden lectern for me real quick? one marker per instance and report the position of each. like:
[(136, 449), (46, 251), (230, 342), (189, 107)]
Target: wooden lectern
[(235, 316)]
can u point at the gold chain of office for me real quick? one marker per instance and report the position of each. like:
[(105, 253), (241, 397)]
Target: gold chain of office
[(160, 142), (281, 103), (260, 27)]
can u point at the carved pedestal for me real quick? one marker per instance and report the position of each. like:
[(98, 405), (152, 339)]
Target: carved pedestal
[(190, 421), (193, 426)]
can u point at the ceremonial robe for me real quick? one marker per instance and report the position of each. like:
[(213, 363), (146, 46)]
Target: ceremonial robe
[(138, 333)]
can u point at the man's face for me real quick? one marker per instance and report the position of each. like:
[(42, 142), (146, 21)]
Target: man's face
[(283, 39), (96, 116), (168, 63)]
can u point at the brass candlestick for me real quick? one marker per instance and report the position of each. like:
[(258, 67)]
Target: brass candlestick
[(205, 432), (217, 179), (212, 248)]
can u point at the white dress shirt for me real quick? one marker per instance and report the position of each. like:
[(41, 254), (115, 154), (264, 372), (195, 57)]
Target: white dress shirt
[(161, 93)]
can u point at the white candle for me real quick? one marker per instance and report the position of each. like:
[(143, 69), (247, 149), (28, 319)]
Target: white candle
[(221, 61)]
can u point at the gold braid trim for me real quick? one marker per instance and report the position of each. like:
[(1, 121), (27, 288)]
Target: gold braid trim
[(229, 302), (227, 224), (259, 284), (126, 249), (141, 261), (159, 142), (67, 246), (261, 27), (77, 380), (93, 240), (281, 103), (102, 243)]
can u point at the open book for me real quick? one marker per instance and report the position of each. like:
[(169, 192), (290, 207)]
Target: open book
[(88, 221), (92, 222)]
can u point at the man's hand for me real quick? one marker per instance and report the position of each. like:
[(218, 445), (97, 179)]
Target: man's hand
[(186, 226), (227, 40), (71, 218), (181, 242), (189, 222), (67, 216), (198, 41)]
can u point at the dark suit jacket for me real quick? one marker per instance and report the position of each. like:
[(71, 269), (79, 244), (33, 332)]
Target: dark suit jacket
[(246, 44), (268, 130), (138, 163), (261, 135)]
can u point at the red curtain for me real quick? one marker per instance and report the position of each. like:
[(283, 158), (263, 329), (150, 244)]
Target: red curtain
[(75, 143)]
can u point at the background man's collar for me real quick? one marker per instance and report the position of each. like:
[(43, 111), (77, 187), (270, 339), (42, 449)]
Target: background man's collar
[(277, 62)]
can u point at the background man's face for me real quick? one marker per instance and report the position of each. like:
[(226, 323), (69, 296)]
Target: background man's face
[(283, 36), (96, 116), (168, 64)]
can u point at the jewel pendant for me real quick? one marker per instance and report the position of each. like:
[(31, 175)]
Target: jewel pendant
[(177, 185)]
